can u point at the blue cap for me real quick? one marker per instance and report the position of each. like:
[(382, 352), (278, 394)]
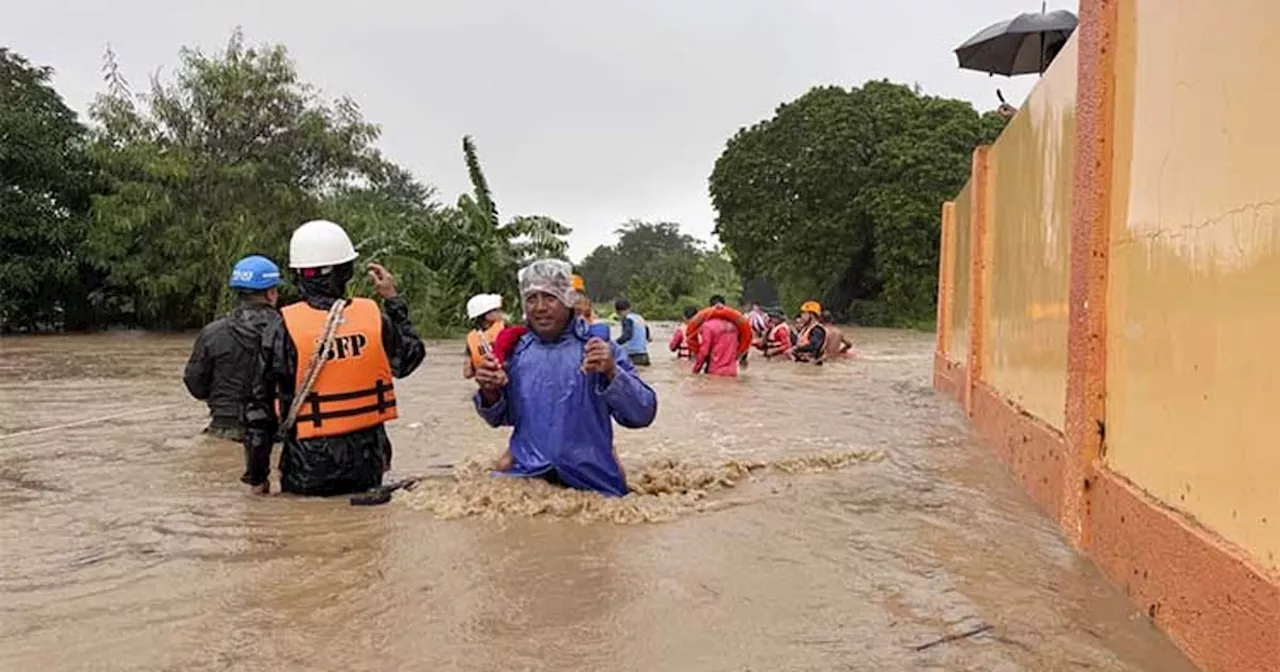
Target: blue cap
[(255, 273)]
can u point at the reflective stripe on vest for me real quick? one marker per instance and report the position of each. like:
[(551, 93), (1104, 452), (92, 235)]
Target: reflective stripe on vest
[(780, 338), (490, 335), (682, 350), (804, 335), (354, 389), (804, 340), (639, 343)]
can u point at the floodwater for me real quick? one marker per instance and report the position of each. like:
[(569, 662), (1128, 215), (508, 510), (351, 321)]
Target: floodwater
[(799, 518)]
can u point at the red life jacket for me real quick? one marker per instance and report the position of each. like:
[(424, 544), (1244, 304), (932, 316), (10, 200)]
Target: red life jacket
[(779, 340)]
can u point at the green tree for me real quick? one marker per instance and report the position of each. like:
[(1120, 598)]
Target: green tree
[(222, 159), (658, 269), (45, 186), (449, 254), (138, 219), (837, 197)]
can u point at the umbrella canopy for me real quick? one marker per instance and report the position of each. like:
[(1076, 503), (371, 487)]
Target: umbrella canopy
[(1022, 45)]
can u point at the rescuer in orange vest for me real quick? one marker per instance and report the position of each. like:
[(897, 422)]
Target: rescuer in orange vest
[(485, 312), (337, 444), (811, 343)]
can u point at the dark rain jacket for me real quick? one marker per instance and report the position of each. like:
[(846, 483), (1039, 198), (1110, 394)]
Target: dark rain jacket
[(331, 465), (222, 362)]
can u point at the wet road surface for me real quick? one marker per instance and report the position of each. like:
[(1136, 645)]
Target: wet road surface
[(800, 518)]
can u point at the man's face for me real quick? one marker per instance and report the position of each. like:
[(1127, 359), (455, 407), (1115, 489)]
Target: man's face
[(547, 315), (273, 297), (755, 307)]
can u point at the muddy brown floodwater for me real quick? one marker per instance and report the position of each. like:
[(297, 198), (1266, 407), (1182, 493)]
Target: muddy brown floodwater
[(799, 518)]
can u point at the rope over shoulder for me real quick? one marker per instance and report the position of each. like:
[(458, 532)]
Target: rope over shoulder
[(321, 354)]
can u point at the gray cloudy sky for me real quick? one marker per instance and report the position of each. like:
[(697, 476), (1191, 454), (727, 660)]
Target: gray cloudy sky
[(589, 111)]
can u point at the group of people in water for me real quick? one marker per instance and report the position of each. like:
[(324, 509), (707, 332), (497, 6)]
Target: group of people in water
[(317, 376), (717, 338)]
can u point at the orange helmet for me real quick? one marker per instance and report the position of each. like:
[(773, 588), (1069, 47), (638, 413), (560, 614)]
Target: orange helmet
[(811, 307), (578, 284)]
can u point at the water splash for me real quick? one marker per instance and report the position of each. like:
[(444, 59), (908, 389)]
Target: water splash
[(662, 489)]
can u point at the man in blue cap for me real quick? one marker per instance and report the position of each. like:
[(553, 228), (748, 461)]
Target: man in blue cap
[(223, 358)]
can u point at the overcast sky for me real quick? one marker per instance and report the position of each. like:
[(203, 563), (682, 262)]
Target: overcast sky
[(589, 111)]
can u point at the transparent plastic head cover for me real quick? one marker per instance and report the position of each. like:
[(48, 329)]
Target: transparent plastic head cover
[(548, 276)]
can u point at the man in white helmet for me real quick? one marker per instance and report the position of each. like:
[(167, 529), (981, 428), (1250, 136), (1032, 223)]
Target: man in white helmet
[(337, 444)]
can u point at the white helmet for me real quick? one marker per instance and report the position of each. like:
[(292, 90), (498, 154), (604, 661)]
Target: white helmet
[(320, 243), (482, 303)]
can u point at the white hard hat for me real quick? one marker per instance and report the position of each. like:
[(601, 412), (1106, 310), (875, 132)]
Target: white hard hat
[(320, 243), (482, 303)]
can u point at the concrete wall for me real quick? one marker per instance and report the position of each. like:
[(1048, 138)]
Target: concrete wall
[(1110, 337), (960, 261), (1029, 221), (1194, 290)]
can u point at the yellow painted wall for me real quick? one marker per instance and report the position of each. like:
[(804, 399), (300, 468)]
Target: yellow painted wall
[(958, 347), (946, 260), (1028, 234), (1193, 307)]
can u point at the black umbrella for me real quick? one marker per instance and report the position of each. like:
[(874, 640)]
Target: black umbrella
[(1022, 45)]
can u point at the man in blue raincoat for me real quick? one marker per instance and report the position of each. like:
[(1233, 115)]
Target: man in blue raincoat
[(561, 390)]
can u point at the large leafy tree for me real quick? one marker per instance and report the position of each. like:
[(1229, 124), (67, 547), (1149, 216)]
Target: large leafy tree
[(220, 160), (138, 219), (657, 268), (837, 196), (45, 184)]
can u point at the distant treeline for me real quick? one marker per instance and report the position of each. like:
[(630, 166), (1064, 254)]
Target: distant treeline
[(133, 216)]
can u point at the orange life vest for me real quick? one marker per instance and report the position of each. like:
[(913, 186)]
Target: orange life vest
[(693, 338), (803, 340), (779, 339), (475, 345), (354, 390), (682, 350)]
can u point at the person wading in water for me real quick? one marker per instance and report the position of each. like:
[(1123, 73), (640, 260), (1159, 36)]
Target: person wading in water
[(561, 390), (779, 340), (337, 444), (837, 344), (225, 351), (680, 337), (811, 344), (635, 336), (582, 306), (487, 323)]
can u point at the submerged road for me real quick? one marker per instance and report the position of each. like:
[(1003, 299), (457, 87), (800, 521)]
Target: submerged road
[(800, 518)]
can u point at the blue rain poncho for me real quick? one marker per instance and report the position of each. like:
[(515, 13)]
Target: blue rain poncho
[(563, 418)]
